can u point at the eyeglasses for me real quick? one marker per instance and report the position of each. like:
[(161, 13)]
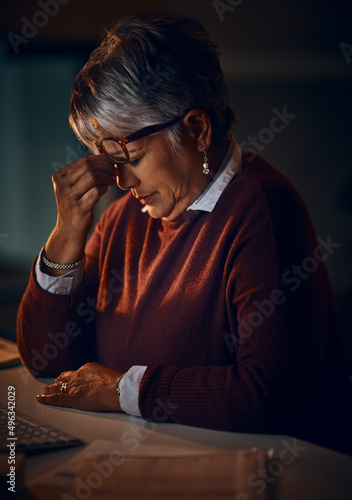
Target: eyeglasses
[(115, 148)]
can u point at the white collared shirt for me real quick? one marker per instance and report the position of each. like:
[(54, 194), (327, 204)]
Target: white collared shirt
[(230, 165)]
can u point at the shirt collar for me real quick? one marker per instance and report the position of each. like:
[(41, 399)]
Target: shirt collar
[(229, 167)]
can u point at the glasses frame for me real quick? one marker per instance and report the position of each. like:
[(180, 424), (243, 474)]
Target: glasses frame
[(143, 132)]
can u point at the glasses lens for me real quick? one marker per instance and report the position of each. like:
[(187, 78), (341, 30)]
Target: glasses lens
[(114, 151)]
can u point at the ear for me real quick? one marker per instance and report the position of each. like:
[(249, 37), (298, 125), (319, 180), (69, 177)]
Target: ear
[(199, 128)]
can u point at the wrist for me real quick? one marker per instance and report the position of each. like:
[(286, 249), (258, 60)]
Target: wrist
[(118, 384), (64, 267), (118, 388), (63, 251)]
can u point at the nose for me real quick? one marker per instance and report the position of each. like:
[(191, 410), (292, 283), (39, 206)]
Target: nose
[(125, 179)]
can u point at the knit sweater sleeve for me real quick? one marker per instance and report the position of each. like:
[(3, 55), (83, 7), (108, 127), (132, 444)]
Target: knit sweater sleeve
[(56, 332), (243, 397)]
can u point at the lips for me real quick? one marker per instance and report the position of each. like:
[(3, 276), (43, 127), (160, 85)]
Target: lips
[(146, 200)]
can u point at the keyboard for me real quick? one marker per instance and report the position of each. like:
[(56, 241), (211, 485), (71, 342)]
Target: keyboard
[(30, 434)]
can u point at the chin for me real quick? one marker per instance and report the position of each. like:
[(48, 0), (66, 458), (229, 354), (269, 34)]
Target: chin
[(159, 212), (155, 212)]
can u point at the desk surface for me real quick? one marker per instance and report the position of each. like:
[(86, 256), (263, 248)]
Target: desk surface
[(315, 472)]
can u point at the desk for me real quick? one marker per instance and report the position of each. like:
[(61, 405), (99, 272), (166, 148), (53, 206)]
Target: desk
[(315, 473)]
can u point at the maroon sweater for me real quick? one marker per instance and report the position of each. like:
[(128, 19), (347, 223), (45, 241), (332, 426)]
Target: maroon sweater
[(231, 310)]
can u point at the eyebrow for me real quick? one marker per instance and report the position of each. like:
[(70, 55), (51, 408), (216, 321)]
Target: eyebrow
[(135, 149)]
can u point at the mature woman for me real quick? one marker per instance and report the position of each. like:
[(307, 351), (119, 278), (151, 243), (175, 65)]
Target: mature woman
[(201, 297)]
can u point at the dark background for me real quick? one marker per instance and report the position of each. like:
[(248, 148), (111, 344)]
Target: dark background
[(275, 54)]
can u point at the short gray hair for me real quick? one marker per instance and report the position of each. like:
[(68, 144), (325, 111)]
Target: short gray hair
[(148, 69)]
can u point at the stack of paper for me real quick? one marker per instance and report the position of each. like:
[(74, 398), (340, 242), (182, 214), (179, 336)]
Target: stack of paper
[(102, 472)]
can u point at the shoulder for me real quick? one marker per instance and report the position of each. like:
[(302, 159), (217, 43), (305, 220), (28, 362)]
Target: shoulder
[(260, 176), (262, 204), (259, 186)]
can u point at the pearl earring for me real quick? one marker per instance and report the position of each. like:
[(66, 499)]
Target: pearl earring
[(205, 164)]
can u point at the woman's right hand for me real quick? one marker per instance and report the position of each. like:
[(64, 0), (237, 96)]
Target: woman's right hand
[(78, 187)]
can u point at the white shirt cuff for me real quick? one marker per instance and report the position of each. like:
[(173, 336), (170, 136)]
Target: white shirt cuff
[(129, 390), (64, 284)]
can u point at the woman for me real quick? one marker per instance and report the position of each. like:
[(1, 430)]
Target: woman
[(186, 304)]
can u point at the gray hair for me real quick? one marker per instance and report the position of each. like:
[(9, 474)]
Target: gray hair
[(149, 69)]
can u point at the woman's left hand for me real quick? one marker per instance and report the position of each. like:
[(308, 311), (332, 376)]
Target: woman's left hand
[(92, 387)]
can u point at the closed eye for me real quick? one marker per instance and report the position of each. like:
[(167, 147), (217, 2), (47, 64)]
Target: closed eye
[(134, 162)]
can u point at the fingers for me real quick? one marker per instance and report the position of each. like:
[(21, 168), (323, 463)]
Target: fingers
[(54, 389), (85, 172), (51, 389), (61, 399), (53, 395), (85, 177), (56, 385), (78, 188), (75, 170), (100, 162), (90, 181), (92, 387)]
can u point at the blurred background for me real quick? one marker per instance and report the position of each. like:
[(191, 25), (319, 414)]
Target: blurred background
[(291, 58)]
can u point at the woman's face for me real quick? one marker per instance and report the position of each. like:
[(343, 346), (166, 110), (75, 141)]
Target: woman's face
[(163, 182)]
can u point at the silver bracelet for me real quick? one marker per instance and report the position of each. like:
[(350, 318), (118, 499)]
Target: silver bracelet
[(54, 265), (118, 384)]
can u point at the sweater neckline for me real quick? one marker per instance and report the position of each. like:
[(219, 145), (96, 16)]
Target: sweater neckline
[(181, 220)]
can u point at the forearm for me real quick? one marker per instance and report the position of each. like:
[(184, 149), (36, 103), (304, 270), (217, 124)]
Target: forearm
[(50, 336), (222, 398), (265, 391), (63, 249), (78, 187)]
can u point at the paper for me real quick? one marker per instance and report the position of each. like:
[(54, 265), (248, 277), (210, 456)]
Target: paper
[(101, 472), (62, 476), (209, 476)]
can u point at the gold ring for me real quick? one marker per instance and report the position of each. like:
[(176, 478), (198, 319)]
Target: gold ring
[(63, 387)]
